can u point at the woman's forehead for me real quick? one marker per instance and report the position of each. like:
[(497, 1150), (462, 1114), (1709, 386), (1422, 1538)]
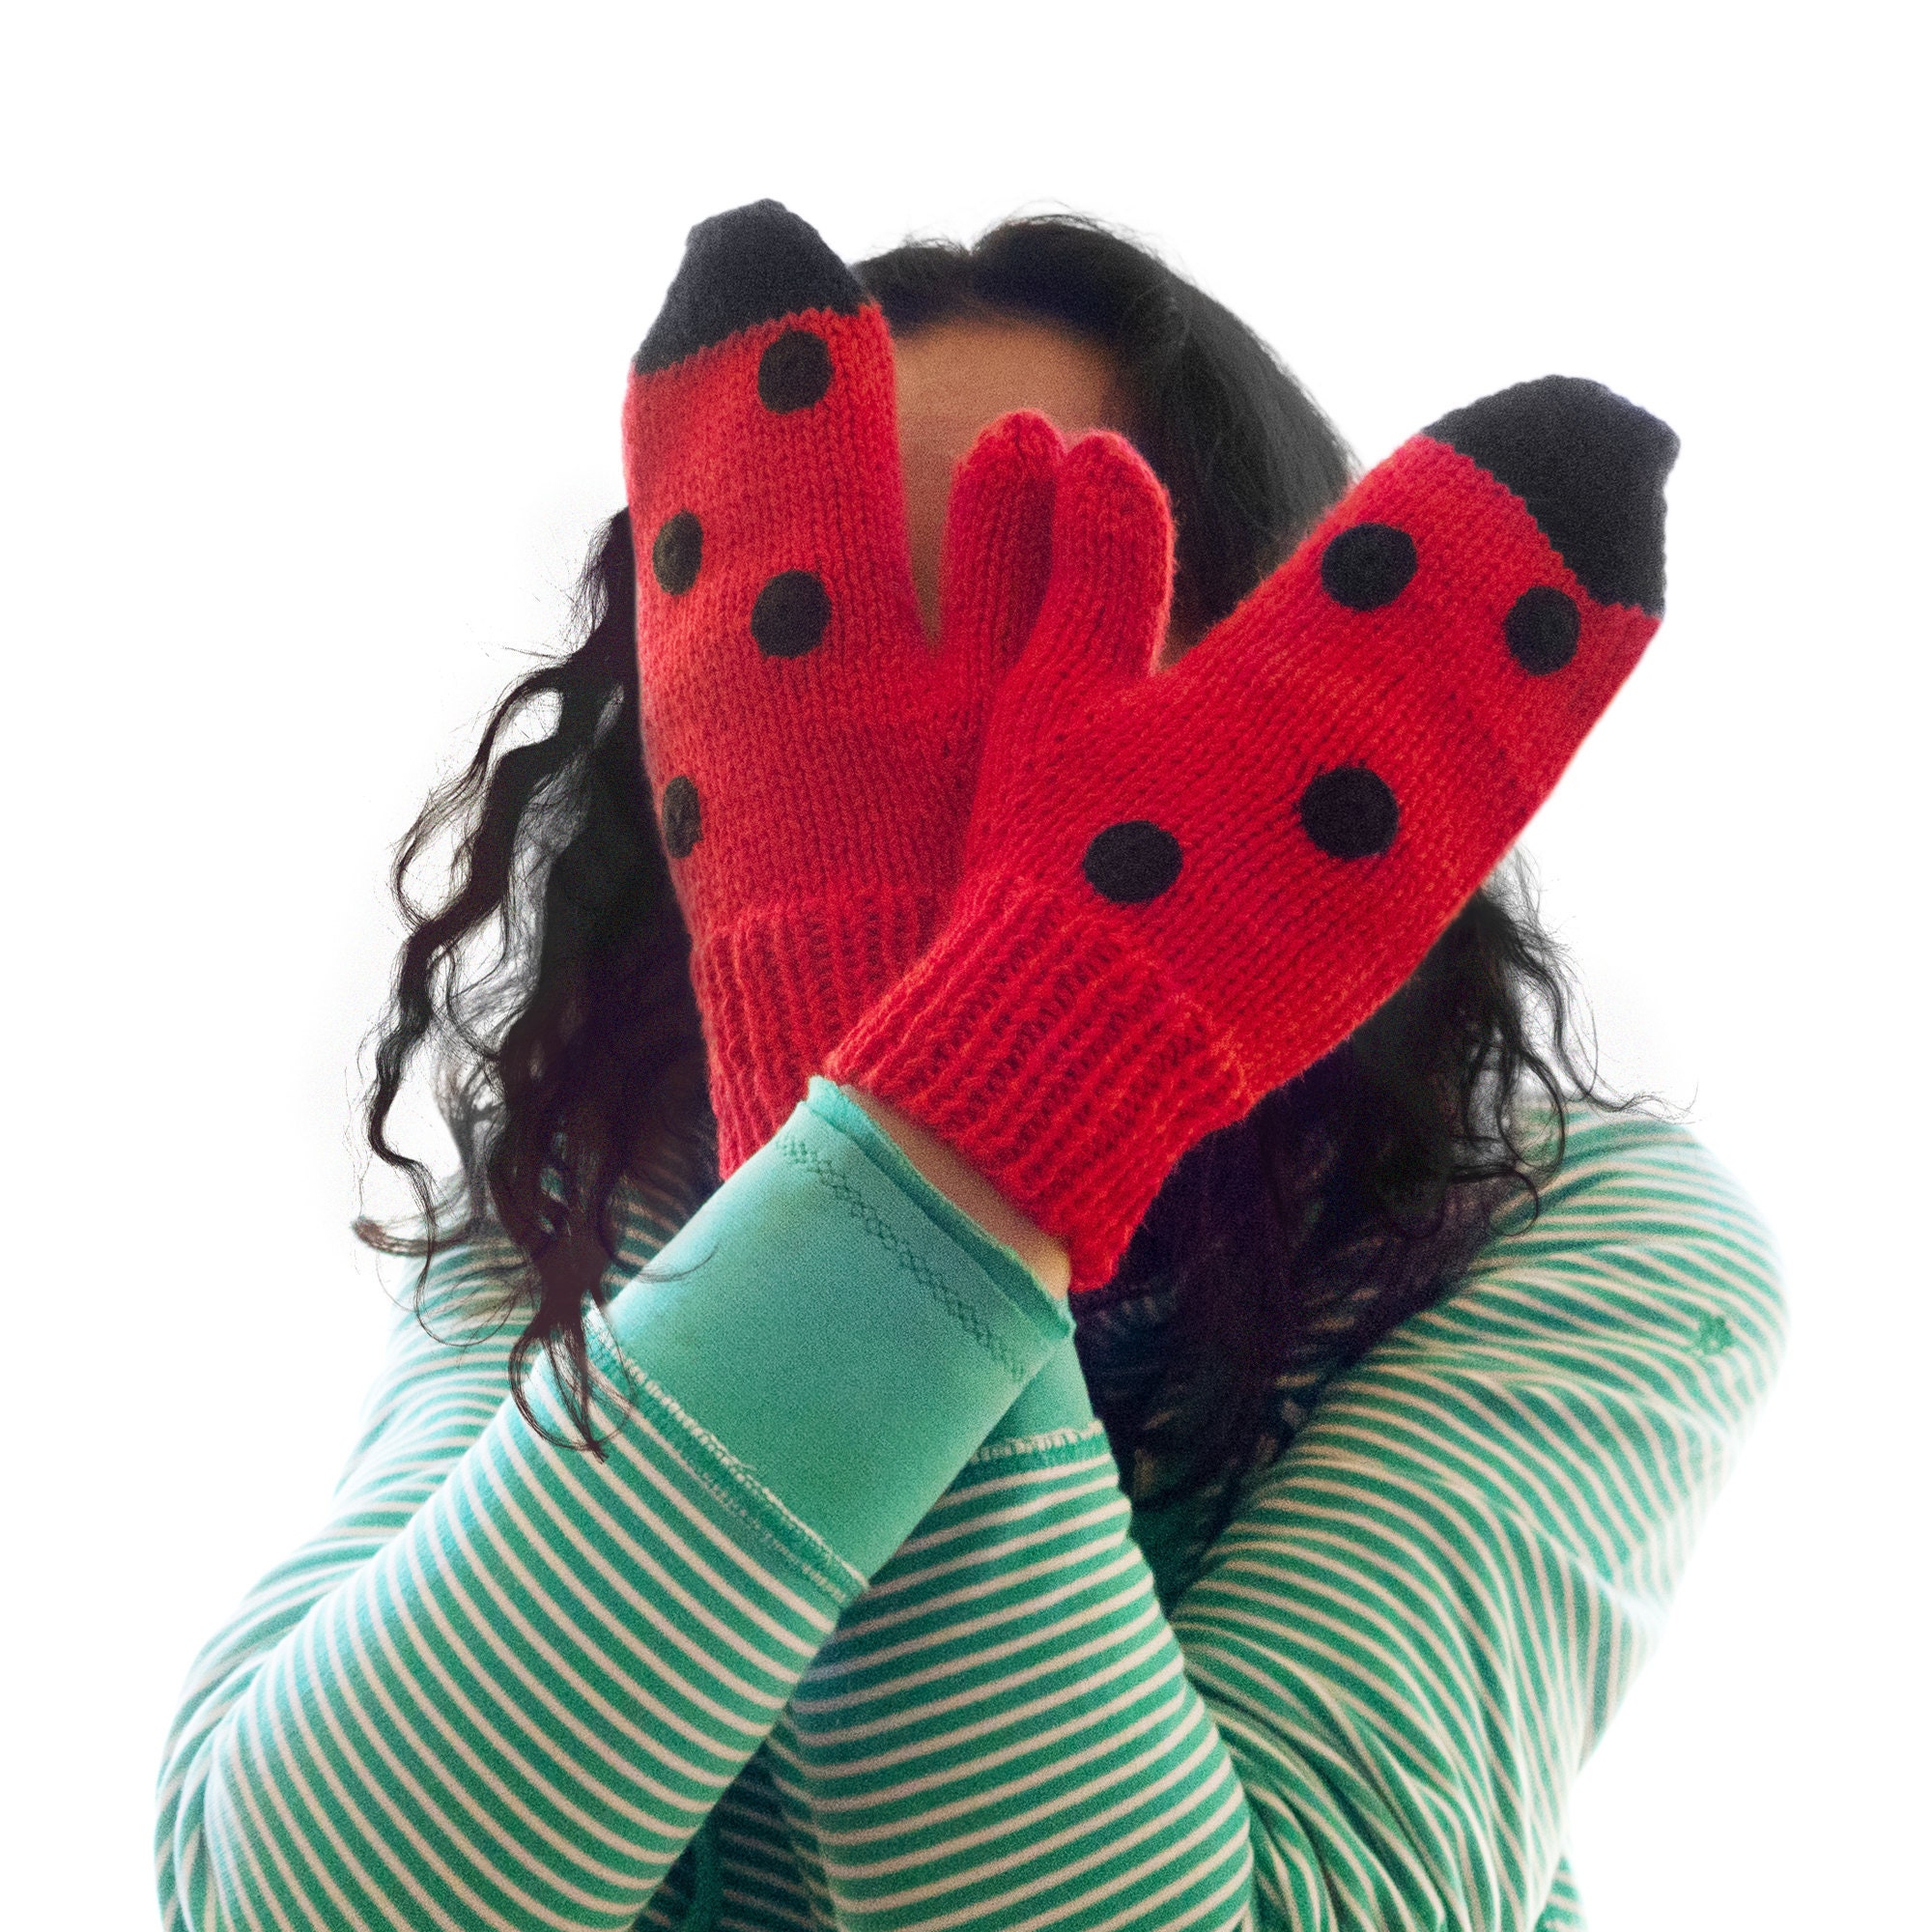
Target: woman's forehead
[(961, 374)]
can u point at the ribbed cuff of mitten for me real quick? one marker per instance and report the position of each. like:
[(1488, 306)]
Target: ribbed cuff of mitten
[(1066, 1066), (778, 989)]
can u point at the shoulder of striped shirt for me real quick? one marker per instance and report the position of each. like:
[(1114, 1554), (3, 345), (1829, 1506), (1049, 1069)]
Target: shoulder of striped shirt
[(1655, 1168), (1644, 1225)]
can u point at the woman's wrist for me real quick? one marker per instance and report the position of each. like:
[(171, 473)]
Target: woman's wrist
[(972, 1193)]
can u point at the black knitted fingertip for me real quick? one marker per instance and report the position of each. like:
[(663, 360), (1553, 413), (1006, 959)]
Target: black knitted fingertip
[(748, 266), (1589, 467)]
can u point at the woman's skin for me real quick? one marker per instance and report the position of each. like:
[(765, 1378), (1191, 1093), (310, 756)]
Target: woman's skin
[(954, 378)]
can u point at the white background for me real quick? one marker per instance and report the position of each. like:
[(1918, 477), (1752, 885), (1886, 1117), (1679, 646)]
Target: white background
[(316, 332)]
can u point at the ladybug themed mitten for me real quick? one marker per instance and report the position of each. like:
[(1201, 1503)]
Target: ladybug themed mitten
[(810, 753), (1181, 889)]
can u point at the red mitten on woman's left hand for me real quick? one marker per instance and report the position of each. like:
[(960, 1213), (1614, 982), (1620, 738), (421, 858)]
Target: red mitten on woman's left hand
[(1178, 891), (810, 754)]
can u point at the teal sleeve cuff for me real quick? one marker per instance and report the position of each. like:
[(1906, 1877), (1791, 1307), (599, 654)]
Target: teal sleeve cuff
[(1056, 1399), (834, 1104), (840, 1326)]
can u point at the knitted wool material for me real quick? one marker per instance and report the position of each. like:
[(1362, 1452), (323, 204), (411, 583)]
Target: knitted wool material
[(1182, 889), (810, 752)]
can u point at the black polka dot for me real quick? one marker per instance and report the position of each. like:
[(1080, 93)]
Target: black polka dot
[(682, 826), (1542, 629), (794, 372), (1351, 814), (1368, 565), (791, 615), (1132, 863), (677, 551)]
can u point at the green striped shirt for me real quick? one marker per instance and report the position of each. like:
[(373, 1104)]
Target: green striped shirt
[(853, 1625)]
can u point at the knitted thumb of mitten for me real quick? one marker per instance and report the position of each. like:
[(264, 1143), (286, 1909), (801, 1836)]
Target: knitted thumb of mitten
[(810, 753), (1180, 890)]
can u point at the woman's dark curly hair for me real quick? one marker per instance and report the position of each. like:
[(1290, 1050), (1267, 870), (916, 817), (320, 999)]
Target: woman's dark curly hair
[(570, 1062)]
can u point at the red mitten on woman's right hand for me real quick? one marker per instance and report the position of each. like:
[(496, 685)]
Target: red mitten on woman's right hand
[(1181, 890)]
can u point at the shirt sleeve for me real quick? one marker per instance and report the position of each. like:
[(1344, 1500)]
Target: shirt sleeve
[(510, 1679), (1369, 1706)]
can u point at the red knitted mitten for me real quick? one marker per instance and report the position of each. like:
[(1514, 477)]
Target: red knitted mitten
[(810, 755), (1181, 890)]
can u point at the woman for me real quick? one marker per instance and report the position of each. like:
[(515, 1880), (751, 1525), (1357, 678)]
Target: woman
[(1135, 1417)]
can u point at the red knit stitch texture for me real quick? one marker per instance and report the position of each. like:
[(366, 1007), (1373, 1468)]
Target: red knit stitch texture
[(826, 782), (1072, 1046)]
